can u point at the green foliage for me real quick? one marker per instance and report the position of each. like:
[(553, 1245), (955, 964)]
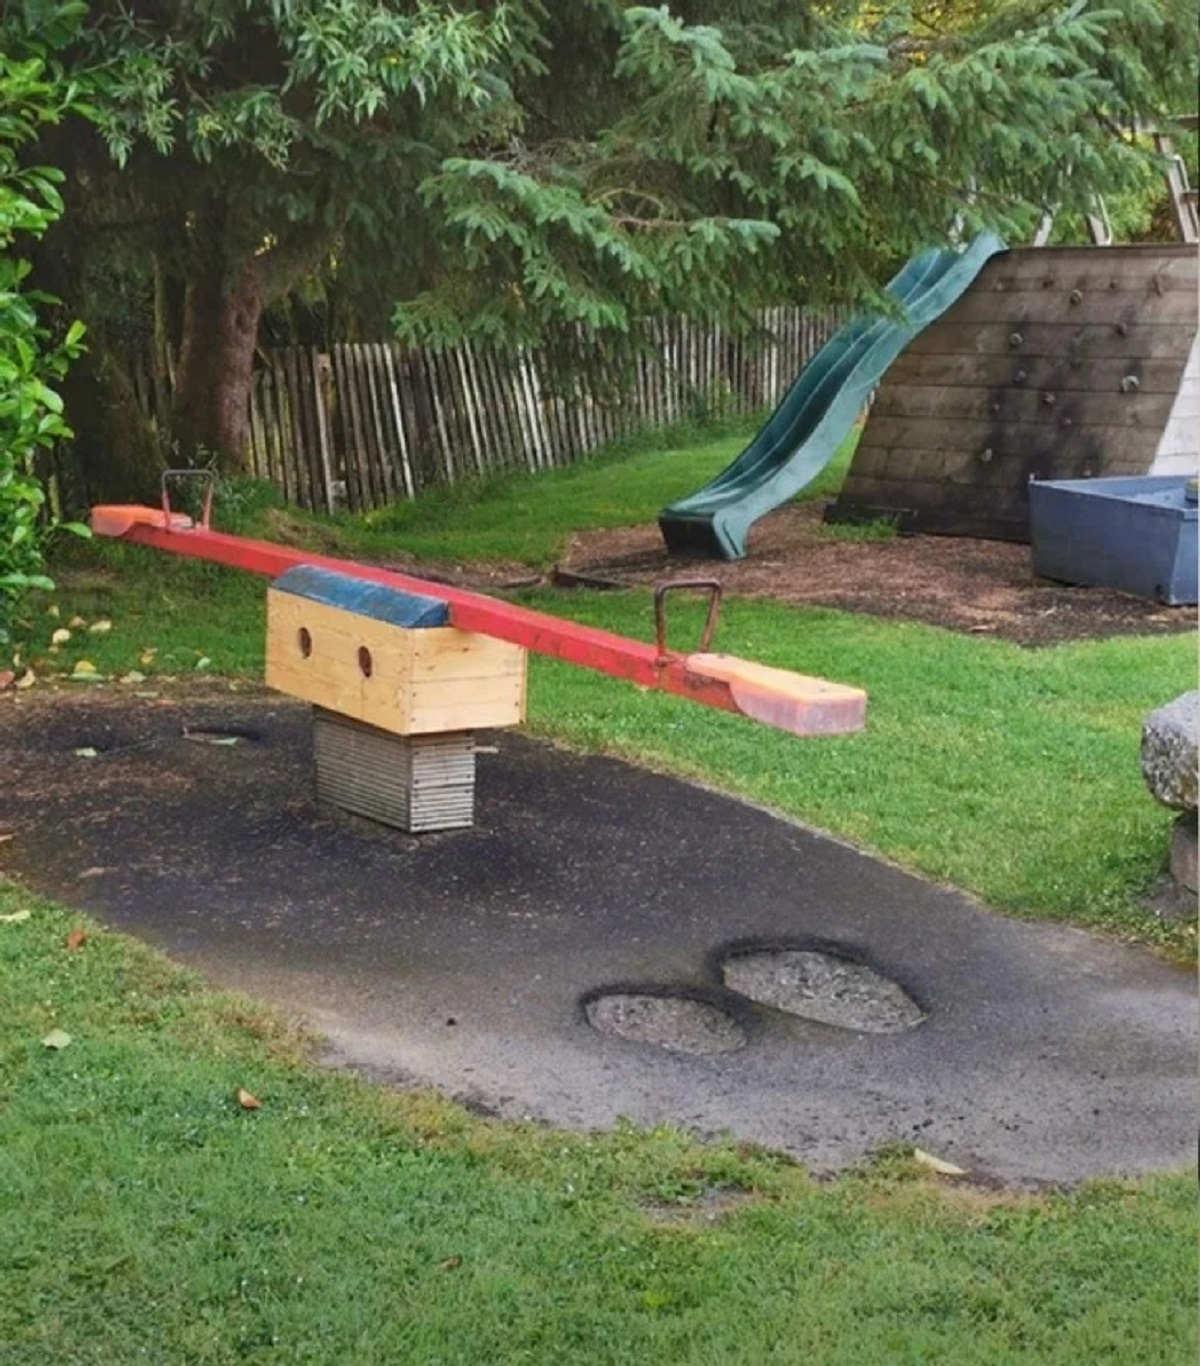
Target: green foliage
[(31, 411), (523, 170), (294, 77), (720, 172), (231, 148)]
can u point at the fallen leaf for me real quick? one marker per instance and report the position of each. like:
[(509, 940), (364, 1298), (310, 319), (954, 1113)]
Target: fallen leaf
[(4, 839), (937, 1164), (77, 622), (98, 628), (86, 752), (133, 677), (97, 871), (210, 737), (52, 610), (27, 679), (60, 637), (15, 917), (83, 668), (147, 656), (146, 694), (203, 662), (77, 939), (246, 1100), (450, 1264), (57, 1038), (7, 678)]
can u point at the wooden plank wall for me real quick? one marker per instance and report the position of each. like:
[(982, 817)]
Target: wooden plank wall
[(1176, 452), (1059, 363), (363, 425)]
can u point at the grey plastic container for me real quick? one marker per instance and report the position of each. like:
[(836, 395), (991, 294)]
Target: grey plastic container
[(1137, 535)]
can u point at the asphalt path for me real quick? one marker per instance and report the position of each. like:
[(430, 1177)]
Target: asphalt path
[(464, 959)]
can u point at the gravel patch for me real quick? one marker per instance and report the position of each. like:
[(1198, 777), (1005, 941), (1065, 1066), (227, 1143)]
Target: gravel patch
[(680, 1024), (823, 987)]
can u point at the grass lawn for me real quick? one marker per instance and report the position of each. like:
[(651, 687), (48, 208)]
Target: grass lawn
[(146, 1216), (529, 518)]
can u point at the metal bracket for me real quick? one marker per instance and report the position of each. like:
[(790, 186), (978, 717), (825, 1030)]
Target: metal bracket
[(710, 586), (170, 519)]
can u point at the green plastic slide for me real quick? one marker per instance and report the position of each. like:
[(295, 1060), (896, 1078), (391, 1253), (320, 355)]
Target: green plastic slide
[(803, 433)]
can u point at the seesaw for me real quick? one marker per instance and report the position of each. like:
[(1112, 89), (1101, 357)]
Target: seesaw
[(402, 672)]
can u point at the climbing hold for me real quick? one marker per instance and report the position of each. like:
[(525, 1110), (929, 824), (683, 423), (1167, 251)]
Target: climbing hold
[(1122, 329), (1015, 339), (1130, 384), (995, 410), (986, 454), (1020, 377), (1049, 400), (1076, 296)]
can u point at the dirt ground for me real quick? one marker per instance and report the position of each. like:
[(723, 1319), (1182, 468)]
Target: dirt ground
[(980, 587)]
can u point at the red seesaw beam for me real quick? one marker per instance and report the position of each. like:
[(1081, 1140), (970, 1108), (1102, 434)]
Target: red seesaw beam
[(792, 702)]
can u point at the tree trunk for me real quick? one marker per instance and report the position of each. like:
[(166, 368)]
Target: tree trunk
[(168, 327), (211, 416)]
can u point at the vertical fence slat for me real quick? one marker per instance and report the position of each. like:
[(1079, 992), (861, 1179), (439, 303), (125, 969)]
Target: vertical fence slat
[(473, 407), (278, 438), (360, 379), (385, 470), (490, 418), (302, 406), (292, 450), (441, 436), (351, 446), (398, 421), (343, 440), (320, 373), (259, 467), (302, 401)]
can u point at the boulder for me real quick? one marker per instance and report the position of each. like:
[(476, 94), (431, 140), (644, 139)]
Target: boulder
[(1184, 851), (1169, 758)]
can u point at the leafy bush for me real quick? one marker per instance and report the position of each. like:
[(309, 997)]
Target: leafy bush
[(31, 412)]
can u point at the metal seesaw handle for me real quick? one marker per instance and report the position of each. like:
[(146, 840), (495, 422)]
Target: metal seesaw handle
[(710, 586), (210, 478)]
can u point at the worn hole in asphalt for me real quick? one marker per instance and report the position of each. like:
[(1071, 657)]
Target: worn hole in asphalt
[(680, 1024), (822, 986)]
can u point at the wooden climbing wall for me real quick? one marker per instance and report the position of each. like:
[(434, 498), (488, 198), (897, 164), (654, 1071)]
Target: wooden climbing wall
[(1059, 363)]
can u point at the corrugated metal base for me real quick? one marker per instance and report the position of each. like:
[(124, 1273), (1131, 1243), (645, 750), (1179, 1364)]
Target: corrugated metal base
[(416, 783)]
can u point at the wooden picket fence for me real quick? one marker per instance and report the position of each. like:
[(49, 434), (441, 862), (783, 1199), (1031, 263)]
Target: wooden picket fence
[(360, 426)]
